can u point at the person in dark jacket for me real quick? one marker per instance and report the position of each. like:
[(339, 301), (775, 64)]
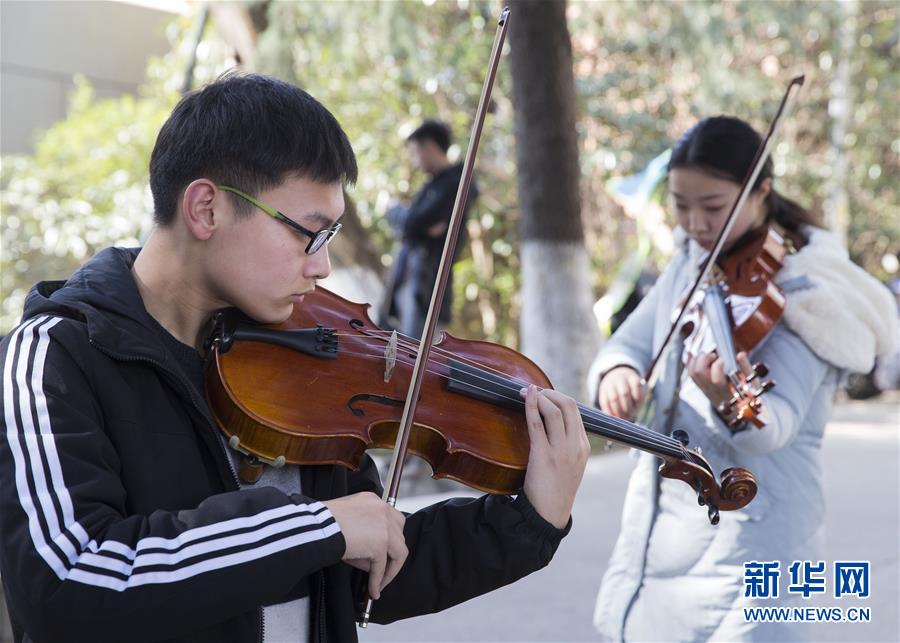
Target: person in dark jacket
[(422, 230), (121, 515)]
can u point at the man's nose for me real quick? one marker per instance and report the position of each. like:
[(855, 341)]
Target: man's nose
[(319, 264)]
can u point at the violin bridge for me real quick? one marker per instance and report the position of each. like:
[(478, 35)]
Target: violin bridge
[(390, 357)]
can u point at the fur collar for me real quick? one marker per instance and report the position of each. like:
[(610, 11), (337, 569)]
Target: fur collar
[(845, 315)]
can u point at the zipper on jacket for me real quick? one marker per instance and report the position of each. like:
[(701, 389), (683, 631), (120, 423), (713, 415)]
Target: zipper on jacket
[(186, 386), (262, 624)]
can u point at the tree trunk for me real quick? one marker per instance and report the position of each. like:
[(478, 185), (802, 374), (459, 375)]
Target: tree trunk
[(837, 202), (558, 329)]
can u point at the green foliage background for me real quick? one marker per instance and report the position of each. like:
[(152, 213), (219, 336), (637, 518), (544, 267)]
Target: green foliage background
[(644, 71)]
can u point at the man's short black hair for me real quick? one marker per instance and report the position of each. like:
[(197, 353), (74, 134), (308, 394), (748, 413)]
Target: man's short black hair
[(250, 132), (432, 130)]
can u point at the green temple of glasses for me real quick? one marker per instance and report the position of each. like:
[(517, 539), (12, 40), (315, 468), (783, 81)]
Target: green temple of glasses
[(316, 239)]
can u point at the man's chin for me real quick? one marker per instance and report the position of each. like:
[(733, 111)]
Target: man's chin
[(272, 315)]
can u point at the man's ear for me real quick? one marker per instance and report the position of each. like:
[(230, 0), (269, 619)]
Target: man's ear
[(197, 208)]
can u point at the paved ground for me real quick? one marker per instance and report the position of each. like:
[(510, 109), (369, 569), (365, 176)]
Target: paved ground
[(861, 457)]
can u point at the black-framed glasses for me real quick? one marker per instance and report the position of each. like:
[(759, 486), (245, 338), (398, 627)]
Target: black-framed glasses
[(316, 239)]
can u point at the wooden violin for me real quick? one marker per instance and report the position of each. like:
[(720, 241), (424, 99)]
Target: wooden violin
[(327, 384), (740, 306)]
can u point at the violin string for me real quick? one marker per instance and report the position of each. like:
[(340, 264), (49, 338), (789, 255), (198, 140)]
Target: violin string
[(622, 430), (412, 344), (460, 358), (601, 420)]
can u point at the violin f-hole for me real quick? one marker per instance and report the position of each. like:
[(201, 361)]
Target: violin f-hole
[(369, 397)]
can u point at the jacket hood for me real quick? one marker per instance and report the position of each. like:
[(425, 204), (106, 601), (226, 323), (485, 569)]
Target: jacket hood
[(103, 294)]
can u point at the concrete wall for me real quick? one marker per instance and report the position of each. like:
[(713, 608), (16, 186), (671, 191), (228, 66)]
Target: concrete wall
[(43, 44)]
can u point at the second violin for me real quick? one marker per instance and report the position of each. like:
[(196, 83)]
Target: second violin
[(735, 312)]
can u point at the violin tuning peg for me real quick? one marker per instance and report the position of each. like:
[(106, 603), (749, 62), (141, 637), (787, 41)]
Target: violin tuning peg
[(699, 489), (681, 436), (713, 514), (760, 369)]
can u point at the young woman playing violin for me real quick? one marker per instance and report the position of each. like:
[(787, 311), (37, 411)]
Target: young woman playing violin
[(672, 576), (121, 514)]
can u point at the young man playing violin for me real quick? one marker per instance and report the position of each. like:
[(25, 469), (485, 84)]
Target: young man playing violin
[(121, 515)]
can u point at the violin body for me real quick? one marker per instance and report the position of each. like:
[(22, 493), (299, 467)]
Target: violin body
[(748, 272), (316, 410)]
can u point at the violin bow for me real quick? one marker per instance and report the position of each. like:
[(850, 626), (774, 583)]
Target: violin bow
[(437, 296), (762, 154)]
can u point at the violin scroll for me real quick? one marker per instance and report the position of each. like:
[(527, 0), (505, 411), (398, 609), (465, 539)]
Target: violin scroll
[(738, 486)]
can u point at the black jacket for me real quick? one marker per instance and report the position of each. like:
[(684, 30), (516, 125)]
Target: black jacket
[(121, 518), (419, 258)]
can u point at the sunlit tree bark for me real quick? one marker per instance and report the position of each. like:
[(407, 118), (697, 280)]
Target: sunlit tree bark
[(557, 328)]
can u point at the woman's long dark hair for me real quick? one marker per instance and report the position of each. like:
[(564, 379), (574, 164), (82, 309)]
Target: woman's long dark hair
[(725, 147)]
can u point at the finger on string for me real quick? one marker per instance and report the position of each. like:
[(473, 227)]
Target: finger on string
[(552, 415), (569, 410), (536, 431), (717, 372), (744, 362), (708, 359), (702, 365)]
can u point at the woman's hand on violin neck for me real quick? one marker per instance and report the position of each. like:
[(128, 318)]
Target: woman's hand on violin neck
[(559, 453), (708, 372), (621, 392), (373, 531)]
